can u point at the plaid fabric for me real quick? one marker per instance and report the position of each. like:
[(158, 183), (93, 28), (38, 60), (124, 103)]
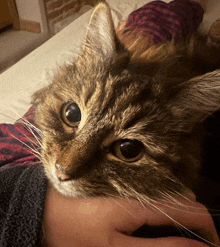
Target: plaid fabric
[(162, 21), (15, 140)]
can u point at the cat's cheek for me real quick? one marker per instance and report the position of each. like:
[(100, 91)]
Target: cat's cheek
[(49, 156), (50, 169)]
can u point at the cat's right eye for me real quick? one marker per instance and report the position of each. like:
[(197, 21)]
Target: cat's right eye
[(70, 113)]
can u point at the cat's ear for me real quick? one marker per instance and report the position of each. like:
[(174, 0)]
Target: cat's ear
[(197, 99), (101, 39)]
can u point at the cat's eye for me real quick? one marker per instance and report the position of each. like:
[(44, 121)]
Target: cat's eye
[(70, 113), (128, 150)]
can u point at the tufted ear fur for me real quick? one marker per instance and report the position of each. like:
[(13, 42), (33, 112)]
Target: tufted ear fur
[(101, 39), (197, 99)]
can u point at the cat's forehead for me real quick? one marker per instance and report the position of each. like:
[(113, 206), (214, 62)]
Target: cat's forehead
[(103, 96), (94, 83)]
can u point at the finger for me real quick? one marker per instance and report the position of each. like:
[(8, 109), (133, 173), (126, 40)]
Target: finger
[(121, 240), (184, 212), (189, 215), (121, 26), (194, 216)]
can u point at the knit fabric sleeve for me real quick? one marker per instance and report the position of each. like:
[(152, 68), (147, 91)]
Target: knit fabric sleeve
[(22, 197), (178, 18)]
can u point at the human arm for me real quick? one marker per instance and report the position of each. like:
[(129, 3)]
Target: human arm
[(104, 221)]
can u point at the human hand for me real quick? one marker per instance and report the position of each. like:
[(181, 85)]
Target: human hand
[(103, 222)]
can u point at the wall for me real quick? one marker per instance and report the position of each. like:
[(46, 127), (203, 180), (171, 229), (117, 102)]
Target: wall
[(60, 13), (32, 11), (53, 15)]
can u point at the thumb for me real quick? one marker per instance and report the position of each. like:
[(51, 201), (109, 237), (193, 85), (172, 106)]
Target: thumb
[(188, 214)]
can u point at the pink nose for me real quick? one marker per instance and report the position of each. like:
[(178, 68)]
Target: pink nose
[(60, 175)]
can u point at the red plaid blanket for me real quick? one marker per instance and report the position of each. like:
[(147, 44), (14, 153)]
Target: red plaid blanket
[(17, 142)]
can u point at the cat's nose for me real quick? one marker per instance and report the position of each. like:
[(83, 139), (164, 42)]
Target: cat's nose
[(61, 175)]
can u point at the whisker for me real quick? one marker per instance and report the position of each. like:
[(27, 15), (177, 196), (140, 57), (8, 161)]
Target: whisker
[(35, 151), (171, 200), (29, 125), (32, 126), (33, 141), (125, 209), (36, 141), (139, 199), (35, 136), (187, 211), (180, 194), (151, 202), (168, 197), (183, 227)]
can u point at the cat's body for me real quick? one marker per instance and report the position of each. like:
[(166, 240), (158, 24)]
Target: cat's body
[(125, 125)]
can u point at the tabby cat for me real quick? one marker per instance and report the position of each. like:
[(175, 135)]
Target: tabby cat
[(126, 120)]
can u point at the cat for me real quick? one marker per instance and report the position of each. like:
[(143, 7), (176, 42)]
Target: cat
[(126, 120)]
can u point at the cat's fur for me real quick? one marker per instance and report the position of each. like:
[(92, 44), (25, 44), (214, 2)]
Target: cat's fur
[(156, 95)]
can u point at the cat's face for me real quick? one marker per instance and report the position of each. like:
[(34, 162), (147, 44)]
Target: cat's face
[(109, 130)]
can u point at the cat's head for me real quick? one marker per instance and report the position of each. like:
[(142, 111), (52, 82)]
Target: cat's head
[(112, 129)]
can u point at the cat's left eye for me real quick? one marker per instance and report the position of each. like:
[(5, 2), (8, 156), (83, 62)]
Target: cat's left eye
[(128, 150), (70, 113)]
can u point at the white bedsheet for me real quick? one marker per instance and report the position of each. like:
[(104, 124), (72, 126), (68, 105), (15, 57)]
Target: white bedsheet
[(18, 83)]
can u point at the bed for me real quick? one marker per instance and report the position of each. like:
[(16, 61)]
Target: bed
[(31, 73), (20, 81)]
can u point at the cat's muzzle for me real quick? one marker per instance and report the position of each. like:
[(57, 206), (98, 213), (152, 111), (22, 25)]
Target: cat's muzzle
[(61, 173)]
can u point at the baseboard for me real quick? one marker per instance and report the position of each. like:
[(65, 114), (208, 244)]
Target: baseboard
[(6, 23), (30, 26)]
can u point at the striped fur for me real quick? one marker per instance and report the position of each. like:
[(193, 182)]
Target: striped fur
[(155, 94)]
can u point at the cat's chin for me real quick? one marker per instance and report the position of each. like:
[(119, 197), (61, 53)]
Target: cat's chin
[(75, 188), (66, 188)]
